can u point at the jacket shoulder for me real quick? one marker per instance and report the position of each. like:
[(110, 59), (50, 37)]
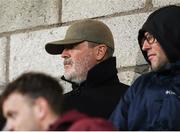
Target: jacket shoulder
[(142, 80), (92, 124)]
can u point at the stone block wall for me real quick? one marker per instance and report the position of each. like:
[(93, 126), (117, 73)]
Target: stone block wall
[(27, 25)]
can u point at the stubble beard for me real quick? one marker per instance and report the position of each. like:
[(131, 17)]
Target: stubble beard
[(157, 66), (79, 70)]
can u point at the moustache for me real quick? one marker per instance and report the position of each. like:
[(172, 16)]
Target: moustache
[(68, 62)]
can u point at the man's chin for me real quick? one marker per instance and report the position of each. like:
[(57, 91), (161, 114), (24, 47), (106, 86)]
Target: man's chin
[(73, 79), (67, 69), (156, 68), (67, 77)]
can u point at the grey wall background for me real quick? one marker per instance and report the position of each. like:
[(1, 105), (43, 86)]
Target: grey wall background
[(27, 25)]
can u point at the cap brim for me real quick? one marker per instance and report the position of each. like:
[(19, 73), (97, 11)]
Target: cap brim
[(57, 47)]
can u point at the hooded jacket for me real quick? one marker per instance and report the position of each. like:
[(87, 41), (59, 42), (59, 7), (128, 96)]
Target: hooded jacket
[(153, 101), (76, 121), (99, 93), (164, 25)]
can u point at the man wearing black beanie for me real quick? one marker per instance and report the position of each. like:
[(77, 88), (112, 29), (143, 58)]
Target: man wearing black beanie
[(153, 101)]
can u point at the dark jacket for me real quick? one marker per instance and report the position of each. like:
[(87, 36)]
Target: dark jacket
[(99, 94), (153, 101), (75, 121), (2, 118)]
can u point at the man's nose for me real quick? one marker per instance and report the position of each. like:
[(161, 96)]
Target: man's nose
[(65, 53), (146, 46)]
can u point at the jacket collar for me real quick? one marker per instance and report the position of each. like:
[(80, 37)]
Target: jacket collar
[(102, 72), (170, 68), (98, 74)]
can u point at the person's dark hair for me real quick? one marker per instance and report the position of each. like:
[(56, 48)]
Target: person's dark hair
[(36, 85)]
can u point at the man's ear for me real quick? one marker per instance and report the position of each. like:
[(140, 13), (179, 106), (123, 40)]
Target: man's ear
[(40, 108), (101, 52)]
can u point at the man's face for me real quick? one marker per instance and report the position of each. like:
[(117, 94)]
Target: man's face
[(155, 53), (78, 60), (19, 113)]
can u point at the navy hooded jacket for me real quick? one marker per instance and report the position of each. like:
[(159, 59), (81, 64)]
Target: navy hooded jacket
[(153, 101)]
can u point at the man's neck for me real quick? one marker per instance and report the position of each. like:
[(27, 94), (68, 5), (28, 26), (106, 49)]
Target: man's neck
[(49, 120)]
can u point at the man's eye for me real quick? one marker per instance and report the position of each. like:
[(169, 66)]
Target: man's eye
[(11, 115), (142, 41), (149, 37), (71, 46)]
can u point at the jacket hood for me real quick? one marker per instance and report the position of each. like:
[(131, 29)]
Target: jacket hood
[(164, 25)]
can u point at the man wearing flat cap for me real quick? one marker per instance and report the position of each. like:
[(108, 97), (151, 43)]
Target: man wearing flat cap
[(90, 67)]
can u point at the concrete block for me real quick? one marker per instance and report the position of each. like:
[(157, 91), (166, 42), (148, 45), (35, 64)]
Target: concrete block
[(159, 3), (80, 9), (125, 31), (20, 14), (128, 77), (28, 52), (3, 61)]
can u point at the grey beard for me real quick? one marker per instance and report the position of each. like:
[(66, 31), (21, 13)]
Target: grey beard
[(77, 80)]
